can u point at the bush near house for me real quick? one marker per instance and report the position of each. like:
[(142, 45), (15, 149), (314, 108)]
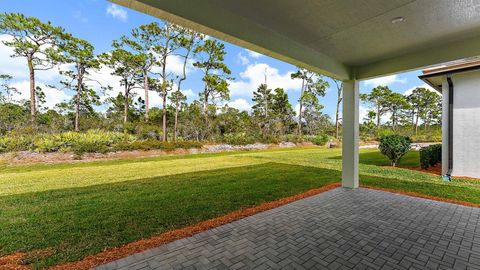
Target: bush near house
[(394, 147), (430, 156)]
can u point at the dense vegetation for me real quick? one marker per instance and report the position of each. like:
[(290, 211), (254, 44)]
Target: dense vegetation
[(139, 60)]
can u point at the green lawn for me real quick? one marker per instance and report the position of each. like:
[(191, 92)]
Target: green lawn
[(74, 210)]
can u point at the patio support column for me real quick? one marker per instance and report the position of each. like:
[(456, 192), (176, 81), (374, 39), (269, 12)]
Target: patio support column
[(350, 133)]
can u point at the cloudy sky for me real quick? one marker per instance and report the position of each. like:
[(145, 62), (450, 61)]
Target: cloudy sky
[(100, 22)]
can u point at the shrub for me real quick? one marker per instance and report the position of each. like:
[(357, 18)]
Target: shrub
[(238, 138), (269, 139), (90, 141), (294, 138), (321, 139), (394, 147), (430, 155), (13, 142), (148, 132), (154, 144), (384, 132)]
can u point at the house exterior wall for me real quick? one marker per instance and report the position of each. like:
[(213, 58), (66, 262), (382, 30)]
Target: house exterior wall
[(444, 126), (466, 124)]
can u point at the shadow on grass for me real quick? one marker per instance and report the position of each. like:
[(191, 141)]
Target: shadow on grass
[(411, 159), (73, 223)]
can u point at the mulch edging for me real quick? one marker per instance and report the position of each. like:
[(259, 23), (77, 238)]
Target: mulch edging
[(145, 244), (423, 196), (13, 261)]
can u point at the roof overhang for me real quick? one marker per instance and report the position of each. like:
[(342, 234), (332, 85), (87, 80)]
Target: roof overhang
[(434, 76), (344, 39)]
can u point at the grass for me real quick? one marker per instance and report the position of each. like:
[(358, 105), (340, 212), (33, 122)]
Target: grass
[(69, 211)]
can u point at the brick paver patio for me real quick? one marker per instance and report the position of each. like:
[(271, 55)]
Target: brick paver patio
[(338, 229)]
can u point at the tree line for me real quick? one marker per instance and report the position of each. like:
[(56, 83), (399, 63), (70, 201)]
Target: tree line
[(140, 61), (420, 107)]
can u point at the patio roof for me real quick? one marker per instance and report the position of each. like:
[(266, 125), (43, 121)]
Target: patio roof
[(349, 39)]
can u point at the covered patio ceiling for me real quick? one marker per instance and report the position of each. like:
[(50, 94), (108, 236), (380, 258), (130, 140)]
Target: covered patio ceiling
[(347, 39)]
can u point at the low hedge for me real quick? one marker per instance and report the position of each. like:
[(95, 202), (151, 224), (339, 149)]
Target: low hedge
[(430, 155)]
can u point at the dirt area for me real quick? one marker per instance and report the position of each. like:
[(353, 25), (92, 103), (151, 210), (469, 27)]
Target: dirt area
[(26, 157)]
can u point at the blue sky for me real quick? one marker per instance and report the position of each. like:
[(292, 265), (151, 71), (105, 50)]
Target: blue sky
[(100, 22)]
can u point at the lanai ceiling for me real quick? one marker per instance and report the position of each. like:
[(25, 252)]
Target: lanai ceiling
[(339, 38)]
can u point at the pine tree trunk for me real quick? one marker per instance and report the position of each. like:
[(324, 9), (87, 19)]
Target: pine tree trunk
[(33, 100), (416, 126), (337, 114), (176, 122), (77, 102), (164, 120), (125, 104), (205, 108), (300, 109), (146, 88), (378, 117), (393, 121), (300, 118)]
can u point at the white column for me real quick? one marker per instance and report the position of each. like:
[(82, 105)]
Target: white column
[(350, 134)]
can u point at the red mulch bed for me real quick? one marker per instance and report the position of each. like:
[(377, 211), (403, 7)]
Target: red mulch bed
[(14, 261), (423, 196), (435, 170)]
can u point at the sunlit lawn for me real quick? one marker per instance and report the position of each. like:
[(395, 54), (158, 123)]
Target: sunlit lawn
[(74, 210)]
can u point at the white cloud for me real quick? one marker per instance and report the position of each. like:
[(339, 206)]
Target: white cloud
[(175, 65), (254, 75), (297, 110), (17, 66), (363, 112), (117, 12), (190, 94), (240, 104), (103, 78), (426, 86), (242, 59), (385, 81), (253, 54), (52, 96)]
